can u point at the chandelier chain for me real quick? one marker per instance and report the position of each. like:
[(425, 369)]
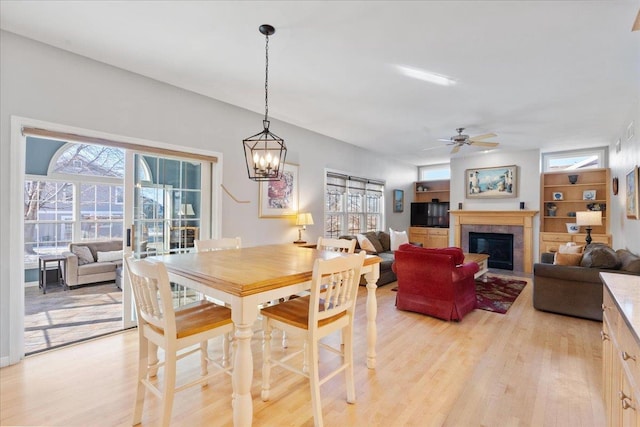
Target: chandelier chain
[(266, 80)]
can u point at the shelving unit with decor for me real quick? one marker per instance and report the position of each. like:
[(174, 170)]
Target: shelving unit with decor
[(567, 199), (426, 191)]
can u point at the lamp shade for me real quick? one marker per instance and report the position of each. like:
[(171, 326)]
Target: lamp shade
[(187, 209), (304, 219), (589, 218)]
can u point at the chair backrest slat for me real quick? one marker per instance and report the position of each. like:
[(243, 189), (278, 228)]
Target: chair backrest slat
[(336, 245), (218, 244), (334, 286), (152, 294)]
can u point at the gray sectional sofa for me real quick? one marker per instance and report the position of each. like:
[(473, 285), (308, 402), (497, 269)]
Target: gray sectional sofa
[(92, 262), (382, 239), (577, 290)]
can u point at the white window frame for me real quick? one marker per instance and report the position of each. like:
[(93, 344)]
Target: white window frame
[(434, 172), (367, 188), (602, 154)]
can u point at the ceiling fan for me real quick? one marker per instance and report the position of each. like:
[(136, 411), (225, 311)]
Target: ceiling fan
[(460, 140)]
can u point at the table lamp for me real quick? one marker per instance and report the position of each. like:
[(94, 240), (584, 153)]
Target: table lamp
[(302, 220), (589, 218), (186, 209)]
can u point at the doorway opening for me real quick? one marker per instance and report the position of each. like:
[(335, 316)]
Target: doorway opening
[(76, 193)]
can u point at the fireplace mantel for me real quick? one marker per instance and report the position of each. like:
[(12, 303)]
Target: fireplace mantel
[(522, 218)]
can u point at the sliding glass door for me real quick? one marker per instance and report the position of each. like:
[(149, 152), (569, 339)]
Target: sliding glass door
[(167, 205)]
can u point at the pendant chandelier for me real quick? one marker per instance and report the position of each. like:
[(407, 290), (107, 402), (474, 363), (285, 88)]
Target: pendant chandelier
[(265, 152)]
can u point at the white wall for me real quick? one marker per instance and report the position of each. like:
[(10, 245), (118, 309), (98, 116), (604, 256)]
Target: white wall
[(626, 232), (45, 83)]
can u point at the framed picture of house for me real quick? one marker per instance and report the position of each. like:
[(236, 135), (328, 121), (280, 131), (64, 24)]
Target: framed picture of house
[(491, 183), (632, 184), (398, 200), (280, 198)]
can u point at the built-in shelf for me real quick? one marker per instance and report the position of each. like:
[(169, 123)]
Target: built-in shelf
[(553, 228), (434, 190)]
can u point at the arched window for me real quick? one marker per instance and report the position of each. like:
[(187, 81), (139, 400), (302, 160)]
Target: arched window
[(85, 159)]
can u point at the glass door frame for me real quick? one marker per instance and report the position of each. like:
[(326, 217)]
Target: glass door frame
[(209, 173)]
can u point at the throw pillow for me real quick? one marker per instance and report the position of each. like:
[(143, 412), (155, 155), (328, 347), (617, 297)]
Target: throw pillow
[(84, 254), (365, 243), (373, 238), (571, 248), (600, 256), (110, 256), (385, 240), (629, 261), (567, 259), (397, 238)]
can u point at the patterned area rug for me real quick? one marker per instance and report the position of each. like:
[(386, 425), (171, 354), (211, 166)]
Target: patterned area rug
[(495, 293)]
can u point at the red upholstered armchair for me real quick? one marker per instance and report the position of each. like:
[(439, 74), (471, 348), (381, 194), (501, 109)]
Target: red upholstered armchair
[(435, 281)]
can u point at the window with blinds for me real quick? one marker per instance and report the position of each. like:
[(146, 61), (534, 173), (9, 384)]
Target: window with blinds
[(352, 205)]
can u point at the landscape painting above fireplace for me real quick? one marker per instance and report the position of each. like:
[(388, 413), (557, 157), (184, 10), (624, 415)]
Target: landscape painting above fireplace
[(498, 182)]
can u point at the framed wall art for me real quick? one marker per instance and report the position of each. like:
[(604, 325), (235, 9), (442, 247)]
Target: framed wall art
[(631, 187), (491, 183), (398, 200), (280, 198)]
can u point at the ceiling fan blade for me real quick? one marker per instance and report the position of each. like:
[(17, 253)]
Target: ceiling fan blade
[(455, 149), (636, 25), (485, 136), (432, 148), (484, 144), (444, 140)]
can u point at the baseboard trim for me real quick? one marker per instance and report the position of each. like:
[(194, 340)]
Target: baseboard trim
[(4, 361)]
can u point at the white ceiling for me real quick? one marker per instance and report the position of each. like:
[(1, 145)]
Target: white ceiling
[(540, 74)]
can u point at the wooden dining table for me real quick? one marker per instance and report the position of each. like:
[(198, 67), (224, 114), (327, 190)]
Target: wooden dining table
[(247, 277)]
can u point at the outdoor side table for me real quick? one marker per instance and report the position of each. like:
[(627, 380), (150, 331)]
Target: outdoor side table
[(42, 269)]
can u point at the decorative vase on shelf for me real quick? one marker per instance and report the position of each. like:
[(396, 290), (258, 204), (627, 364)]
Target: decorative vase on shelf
[(572, 227), (551, 209), (573, 179)]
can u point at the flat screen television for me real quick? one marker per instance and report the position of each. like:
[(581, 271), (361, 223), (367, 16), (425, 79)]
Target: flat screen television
[(430, 214)]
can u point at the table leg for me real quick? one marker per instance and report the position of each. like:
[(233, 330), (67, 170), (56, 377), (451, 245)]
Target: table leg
[(40, 272), (243, 318), (372, 313), (44, 277)]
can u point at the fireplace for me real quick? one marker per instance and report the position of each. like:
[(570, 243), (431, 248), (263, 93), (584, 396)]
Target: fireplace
[(519, 223), (499, 247)]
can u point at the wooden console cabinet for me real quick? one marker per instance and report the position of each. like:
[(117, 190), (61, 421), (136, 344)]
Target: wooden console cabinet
[(429, 237), (549, 242), (621, 348)]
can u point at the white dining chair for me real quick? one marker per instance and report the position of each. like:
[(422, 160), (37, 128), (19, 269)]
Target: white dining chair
[(160, 325), (336, 245), (329, 308), (326, 244), (218, 244)]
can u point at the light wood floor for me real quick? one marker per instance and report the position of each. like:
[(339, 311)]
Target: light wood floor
[(525, 368)]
